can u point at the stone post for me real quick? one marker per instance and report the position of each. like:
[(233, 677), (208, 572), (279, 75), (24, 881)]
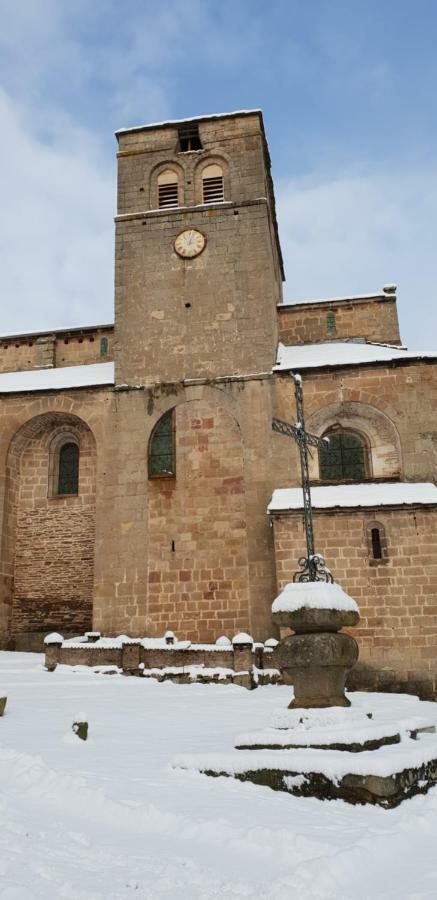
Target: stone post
[(131, 657), (243, 660), (53, 644)]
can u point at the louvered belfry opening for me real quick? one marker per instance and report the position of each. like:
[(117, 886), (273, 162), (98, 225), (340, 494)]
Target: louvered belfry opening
[(213, 186), (189, 138), (168, 190)]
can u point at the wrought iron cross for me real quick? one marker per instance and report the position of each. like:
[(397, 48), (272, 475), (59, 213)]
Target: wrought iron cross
[(313, 567)]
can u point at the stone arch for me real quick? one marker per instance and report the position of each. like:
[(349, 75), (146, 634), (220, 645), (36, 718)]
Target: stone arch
[(158, 170), (198, 569), (210, 160), (379, 432), (48, 540)]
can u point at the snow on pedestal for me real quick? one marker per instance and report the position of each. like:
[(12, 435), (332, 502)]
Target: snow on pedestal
[(313, 595), (315, 659)]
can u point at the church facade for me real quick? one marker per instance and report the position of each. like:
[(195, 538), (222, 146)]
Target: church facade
[(142, 486)]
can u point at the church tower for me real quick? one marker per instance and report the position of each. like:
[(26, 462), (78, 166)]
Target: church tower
[(198, 262)]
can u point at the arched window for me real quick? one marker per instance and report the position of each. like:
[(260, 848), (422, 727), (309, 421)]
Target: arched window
[(168, 189), (377, 543), (161, 447), (103, 346), (344, 458), (68, 471), (212, 184)]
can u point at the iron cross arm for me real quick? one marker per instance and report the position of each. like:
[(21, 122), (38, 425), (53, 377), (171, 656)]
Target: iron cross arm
[(296, 432)]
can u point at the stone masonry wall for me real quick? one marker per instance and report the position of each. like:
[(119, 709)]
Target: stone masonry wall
[(397, 596), (391, 405), (214, 314), (56, 349), (374, 319), (197, 558), (54, 535)]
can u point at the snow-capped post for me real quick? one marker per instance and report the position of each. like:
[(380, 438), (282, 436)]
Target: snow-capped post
[(80, 727), (92, 637), (313, 566), (52, 643), (243, 660), (316, 658), (3, 701), (131, 657)]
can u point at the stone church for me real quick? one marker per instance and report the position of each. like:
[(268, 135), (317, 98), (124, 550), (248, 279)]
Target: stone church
[(142, 486)]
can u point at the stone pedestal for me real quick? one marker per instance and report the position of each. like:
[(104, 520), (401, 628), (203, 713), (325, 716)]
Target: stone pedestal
[(316, 659)]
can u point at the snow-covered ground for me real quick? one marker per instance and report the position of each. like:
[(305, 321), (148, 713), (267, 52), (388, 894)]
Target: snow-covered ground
[(109, 819)]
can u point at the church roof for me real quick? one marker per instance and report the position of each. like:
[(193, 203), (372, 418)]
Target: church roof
[(332, 496), (169, 123), (94, 375), (343, 353)]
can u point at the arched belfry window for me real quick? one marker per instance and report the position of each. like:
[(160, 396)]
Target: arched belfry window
[(213, 190), (68, 469), (162, 447), (168, 189), (344, 458)]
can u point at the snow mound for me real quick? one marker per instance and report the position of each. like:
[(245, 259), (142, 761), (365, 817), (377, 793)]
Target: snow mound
[(313, 595)]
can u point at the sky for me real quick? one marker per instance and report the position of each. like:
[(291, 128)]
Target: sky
[(348, 90)]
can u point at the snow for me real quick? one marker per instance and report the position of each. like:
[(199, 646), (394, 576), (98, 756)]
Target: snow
[(341, 353), (387, 289), (313, 595), (335, 764), (57, 379), (224, 643), (53, 638), (238, 112), (242, 638), (371, 717), (389, 493), (110, 819)]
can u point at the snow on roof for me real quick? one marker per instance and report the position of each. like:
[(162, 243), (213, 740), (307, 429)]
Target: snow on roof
[(57, 379), (237, 112), (354, 298), (342, 353), (389, 493), (6, 336)]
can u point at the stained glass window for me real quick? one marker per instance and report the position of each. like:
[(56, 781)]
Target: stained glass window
[(344, 458), (68, 478), (161, 447), (103, 346)]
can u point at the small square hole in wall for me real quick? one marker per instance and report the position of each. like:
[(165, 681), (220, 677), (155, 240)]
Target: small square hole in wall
[(189, 138)]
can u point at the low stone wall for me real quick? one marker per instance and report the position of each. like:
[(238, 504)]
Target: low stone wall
[(240, 661)]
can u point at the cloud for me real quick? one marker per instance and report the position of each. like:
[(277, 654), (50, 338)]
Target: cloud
[(56, 228), (354, 232)]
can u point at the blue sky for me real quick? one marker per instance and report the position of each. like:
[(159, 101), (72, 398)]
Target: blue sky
[(348, 90)]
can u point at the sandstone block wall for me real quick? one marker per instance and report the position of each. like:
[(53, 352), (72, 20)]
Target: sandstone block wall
[(214, 314), (76, 347), (374, 319), (397, 595), (390, 405), (208, 316)]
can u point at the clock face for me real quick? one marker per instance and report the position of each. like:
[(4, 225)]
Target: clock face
[(189, 243)]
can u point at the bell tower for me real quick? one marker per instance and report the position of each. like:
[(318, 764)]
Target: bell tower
[(198, 268)]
